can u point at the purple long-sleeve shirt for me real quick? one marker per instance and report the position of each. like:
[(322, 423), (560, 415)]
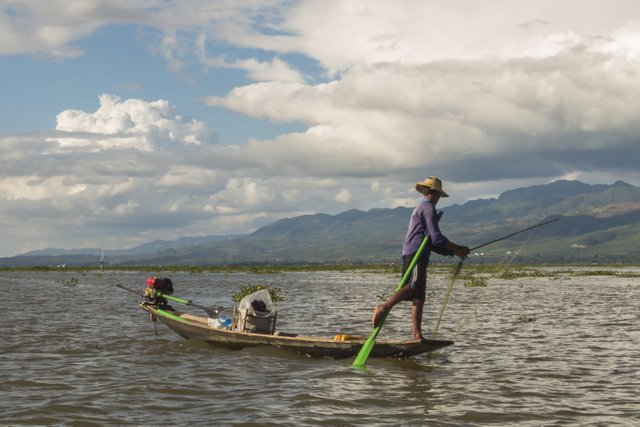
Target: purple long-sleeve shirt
[(424, 222)]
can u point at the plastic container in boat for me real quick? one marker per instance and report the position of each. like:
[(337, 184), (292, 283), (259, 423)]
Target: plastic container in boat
[(221, 321)]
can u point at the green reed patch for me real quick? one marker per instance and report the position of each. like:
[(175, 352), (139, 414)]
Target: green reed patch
[(526, 319), (474, 281), (275, 294), (71, 282), (517, 274), (270, 269), (499, 271), (613, 273)]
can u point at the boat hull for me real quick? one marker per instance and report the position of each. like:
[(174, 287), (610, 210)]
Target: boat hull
[(196, 328)]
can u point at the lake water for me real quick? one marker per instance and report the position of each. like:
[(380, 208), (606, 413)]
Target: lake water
[(555, 350)]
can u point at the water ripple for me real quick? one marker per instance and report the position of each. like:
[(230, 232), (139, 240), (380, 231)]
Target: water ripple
[(85, 354)]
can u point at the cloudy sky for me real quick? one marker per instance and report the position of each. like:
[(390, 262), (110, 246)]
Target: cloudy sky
[(125, 121)]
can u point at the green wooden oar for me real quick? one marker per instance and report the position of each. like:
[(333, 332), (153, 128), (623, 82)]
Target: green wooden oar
[(365, 351)]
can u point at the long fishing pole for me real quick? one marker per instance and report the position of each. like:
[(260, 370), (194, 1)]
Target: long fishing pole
[(459, 266), (513, 234)]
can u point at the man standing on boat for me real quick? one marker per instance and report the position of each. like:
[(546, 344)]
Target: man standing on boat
[(422, 224)]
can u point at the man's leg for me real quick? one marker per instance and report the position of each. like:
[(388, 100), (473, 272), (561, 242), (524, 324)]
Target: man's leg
[(406, 293), (416, 319), (401, 295)]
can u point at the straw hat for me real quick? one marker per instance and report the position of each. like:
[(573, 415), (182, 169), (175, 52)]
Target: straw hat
[(431, 183)]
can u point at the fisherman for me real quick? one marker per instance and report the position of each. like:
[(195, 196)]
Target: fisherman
[(422, 224)]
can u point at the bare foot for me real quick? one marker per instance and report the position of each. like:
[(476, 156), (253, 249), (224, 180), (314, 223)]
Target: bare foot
[(378, 312)]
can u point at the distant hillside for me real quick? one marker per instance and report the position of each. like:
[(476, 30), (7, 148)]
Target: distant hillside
[(151, 247), (598, 223)]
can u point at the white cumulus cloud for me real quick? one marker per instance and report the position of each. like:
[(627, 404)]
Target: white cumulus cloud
[(344, 196), (132, 123), (486, 94)]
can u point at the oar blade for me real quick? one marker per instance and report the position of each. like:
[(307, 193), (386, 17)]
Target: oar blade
[(365, 351)]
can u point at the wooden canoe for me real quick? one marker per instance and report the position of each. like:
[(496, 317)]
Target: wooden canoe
[(193, 327)]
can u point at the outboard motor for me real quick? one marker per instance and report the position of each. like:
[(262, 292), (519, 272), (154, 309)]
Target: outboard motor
[(156, 286)]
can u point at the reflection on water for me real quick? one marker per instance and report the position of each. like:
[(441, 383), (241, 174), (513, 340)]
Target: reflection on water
[(84, 353)]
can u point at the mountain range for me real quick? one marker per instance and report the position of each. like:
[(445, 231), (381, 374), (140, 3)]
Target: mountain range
[(596, 224)]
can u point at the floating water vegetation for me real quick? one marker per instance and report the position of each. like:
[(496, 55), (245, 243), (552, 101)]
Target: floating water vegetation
[(526, 319), (268, 268), (249, 289), (382, 297), (516, 274), (73, 281), (606, 273), (489, 270), (474, 281), (533, 272)]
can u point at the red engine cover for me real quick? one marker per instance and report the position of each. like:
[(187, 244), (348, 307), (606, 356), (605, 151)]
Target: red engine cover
[(157, 282)]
